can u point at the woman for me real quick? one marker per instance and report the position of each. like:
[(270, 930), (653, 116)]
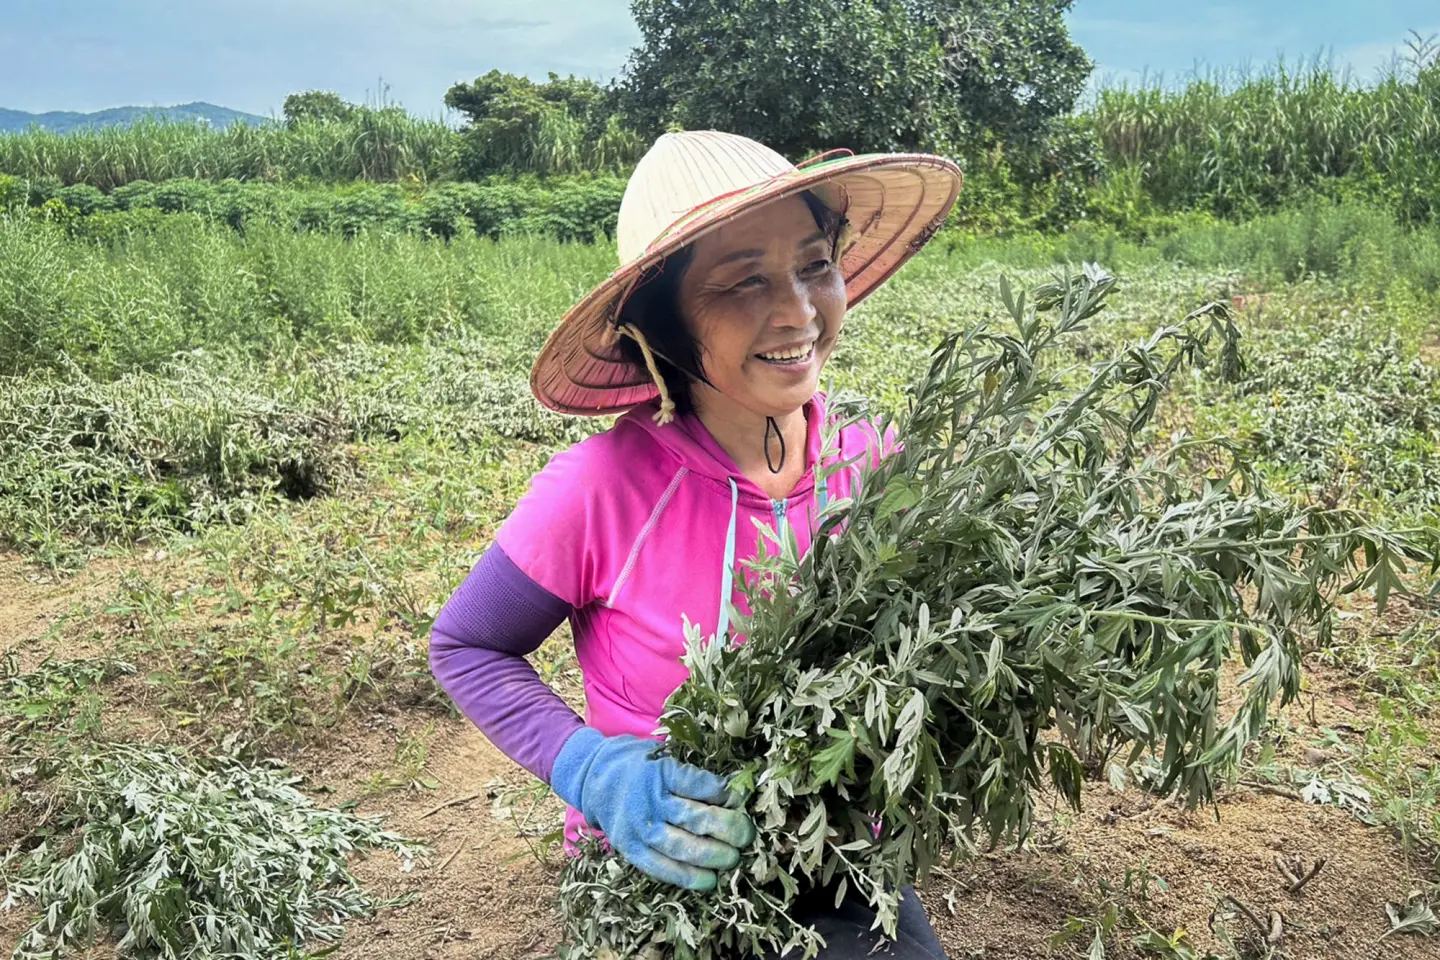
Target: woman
[(737, 271)]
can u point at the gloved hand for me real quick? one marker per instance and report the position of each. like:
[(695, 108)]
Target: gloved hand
[(673, 821)]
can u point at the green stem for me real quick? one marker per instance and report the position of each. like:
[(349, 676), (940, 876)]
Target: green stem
[(1171, 622)]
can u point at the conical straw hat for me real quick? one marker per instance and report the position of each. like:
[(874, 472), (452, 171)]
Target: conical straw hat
[(689, 184)]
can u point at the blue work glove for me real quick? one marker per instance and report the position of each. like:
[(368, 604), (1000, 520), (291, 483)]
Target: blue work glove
[(673, 821)]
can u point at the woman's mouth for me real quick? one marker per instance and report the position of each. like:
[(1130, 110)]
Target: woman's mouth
[(789, 356)]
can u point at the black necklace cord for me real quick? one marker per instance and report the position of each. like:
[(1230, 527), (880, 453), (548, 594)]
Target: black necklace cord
[(770, 425)]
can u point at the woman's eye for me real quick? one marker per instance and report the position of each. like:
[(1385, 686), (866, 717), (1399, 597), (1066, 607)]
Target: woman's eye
[(818, 266), (749, 283)]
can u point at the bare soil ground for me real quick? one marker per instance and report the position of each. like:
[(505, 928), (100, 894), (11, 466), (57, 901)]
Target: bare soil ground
[(488, 891)]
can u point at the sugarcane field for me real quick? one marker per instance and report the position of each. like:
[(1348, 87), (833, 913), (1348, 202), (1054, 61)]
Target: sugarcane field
[(720, 479)]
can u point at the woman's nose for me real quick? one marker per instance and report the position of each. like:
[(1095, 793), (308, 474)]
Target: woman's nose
[(793, 308)]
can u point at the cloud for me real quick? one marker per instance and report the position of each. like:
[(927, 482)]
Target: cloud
[(1370, 61)]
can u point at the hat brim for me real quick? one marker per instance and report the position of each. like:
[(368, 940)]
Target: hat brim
[(896, 203)]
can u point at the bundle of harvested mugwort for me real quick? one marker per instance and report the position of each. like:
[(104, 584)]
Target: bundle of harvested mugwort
[(1026, 562)]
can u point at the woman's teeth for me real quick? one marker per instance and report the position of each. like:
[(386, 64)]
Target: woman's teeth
[(797, 355)]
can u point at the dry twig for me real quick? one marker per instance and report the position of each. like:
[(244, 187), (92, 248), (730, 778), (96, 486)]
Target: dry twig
[(452, 803), (1295, 874), (1273, 790), (451, 857), (1272, 933)]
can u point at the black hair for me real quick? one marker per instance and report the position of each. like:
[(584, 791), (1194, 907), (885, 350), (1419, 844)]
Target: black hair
[(654, 309)]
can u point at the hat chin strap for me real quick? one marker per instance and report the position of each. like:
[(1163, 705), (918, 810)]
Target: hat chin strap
[(666, 413)]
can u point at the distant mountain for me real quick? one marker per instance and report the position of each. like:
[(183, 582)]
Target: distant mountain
[(18, 121)]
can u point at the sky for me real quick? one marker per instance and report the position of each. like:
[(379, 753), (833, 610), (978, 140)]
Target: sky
[(86, 55)]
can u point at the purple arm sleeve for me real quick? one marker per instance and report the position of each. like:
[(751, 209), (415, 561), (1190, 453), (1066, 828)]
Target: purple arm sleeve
[(477, 651)]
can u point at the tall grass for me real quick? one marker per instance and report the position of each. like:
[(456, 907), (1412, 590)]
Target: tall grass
[(376, 144), (385, 144), (195, 283), (1358, 244), (1240, 146), (192, 283)]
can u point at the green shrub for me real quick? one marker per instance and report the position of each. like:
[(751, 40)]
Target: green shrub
[(1360, 243), (182, 281), (84, 199), (464, 390), (136, 193), (1349, 416), (574, 209), (118, 227), (14, 193)]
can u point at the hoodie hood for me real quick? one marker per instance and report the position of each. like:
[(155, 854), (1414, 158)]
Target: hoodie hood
[(687, 439)]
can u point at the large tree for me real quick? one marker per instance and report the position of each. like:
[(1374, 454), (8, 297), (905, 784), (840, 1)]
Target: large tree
[(1010, 64), (320, 106), (799, 75), (516, 125), (804, 75)]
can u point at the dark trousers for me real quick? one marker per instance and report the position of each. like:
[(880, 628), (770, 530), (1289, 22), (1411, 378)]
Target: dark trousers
[(848, 935)]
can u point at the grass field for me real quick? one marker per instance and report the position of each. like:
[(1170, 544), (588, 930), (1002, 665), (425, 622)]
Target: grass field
[(239, 474)]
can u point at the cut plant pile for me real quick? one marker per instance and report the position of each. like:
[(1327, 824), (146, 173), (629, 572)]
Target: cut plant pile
[(184, 858), (1029, 560), (160, 851)]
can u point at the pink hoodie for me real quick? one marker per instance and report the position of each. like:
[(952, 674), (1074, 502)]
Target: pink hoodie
[(631, 528)]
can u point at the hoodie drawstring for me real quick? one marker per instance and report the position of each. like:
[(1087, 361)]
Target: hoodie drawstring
[(727, 575)]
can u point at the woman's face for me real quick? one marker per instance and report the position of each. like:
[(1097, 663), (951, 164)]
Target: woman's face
[(766, 303)]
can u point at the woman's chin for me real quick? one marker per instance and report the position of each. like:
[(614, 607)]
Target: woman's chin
[(786, 388), (781, 403)]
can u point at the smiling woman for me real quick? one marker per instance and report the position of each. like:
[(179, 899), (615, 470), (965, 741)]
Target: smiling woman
[(738, 270), (740, 324)]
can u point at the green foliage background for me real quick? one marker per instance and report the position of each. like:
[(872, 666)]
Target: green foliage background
[(995, 84)]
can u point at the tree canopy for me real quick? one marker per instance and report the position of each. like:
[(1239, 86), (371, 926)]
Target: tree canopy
[(808, 75), (798, 75), (566, 124), (1010, 64), (318, 105)]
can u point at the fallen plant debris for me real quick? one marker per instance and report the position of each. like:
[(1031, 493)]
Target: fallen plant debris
[(1260, 939), (1413, 916), (1025, 562), (187, 859)]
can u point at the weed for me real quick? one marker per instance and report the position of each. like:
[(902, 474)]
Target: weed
[(412, 752)]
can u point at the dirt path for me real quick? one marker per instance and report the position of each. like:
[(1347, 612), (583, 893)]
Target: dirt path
[(483, 893)]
